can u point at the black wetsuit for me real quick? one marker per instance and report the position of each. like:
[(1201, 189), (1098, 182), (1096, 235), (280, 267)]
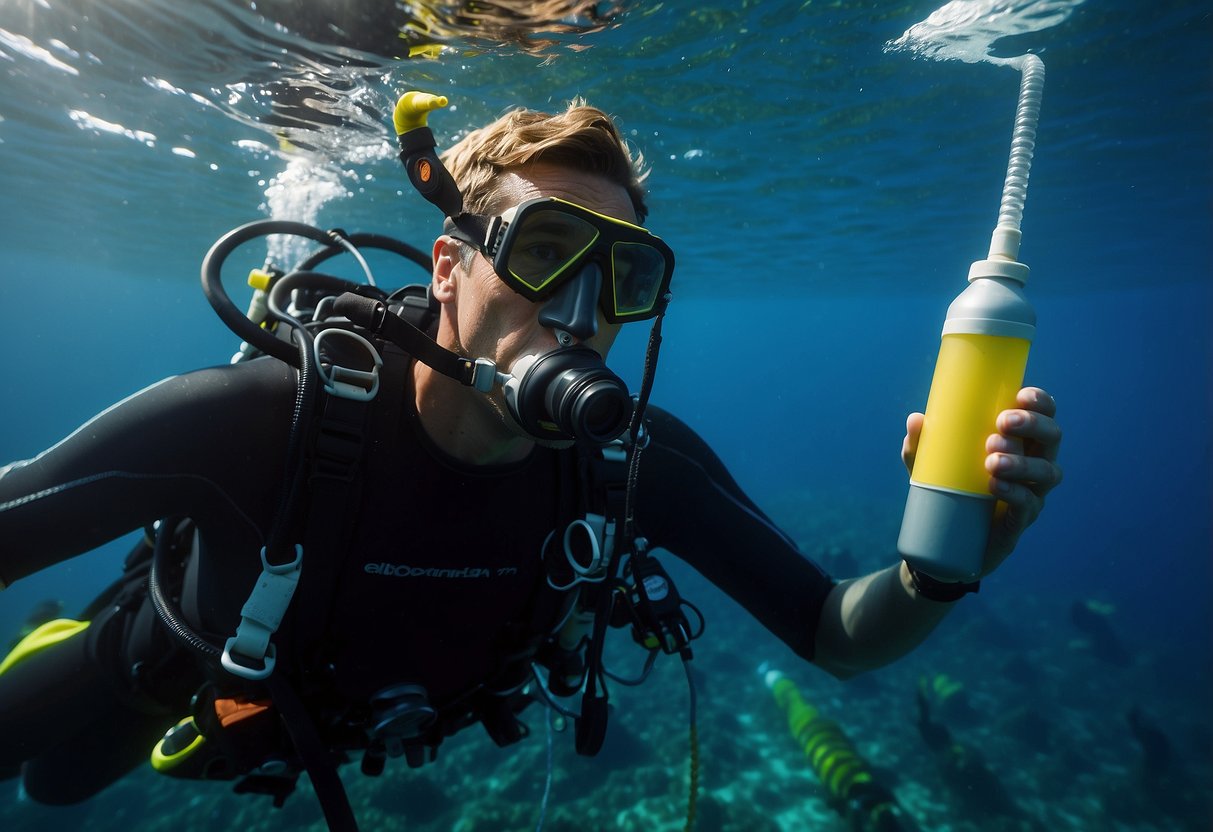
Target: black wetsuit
[(443, 556)]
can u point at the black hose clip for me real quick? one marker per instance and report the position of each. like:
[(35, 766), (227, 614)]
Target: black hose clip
[(655, 607)]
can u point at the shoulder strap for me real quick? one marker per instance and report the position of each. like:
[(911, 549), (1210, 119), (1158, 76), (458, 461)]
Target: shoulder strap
[(334, 495), (335, 467)]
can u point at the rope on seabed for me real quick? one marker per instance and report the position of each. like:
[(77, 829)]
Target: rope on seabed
[(693, 795)]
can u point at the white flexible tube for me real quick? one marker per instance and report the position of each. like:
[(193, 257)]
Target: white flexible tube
[(1005, 242)]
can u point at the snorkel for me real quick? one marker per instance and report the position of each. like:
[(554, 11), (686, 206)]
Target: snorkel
[(567, 393)]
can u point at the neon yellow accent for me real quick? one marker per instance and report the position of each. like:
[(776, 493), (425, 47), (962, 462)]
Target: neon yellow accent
[(848, 771), (259, 279), (830, 754), (789, 698), (526, 281), (833, 759), (976, 377), (426, 50), (413, 110), (164, 762), (820, 758), (614, 220), (48, 635)]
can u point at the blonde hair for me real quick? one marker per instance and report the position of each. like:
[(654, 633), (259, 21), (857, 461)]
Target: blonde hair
[(581, 138)]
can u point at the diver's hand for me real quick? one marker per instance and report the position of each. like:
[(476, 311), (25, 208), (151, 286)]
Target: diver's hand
[(1022, 461)]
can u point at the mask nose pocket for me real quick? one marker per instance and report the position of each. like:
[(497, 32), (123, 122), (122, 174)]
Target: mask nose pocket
[(574, 307)]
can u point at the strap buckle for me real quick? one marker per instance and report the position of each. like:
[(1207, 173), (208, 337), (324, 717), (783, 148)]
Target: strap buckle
[(587, 545), (260, 618), (346, 382), (484, 375)]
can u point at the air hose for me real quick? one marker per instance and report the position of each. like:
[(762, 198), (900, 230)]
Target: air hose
[(156, 583), (1023, 144), (221, 302)]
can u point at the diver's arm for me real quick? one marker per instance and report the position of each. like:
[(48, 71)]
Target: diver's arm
[(197, 444), (689, 504), (870, 621)]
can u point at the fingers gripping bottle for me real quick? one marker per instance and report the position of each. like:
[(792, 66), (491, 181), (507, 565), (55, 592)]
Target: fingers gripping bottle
[(982, 357)]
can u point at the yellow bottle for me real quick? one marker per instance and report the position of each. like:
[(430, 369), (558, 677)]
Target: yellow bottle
[(982, 356), (986, 336)]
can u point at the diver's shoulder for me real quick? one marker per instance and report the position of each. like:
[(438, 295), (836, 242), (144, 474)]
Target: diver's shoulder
[(667, 429), (260, 385), (658, 418), (257, 378)]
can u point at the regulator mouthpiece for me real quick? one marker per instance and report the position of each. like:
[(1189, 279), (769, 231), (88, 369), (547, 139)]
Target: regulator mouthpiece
[(568, 394)]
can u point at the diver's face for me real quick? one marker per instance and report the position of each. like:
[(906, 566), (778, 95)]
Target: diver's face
[(490, 320)]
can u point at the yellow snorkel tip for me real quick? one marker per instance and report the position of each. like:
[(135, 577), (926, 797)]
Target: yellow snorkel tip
[(413, 109), (425, 170)]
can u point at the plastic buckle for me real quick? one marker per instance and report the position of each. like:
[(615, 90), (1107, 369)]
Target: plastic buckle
[(344, 382), (261, 616), (599, 537), (615, 451), (587, 544), (484, 375), (657, 606), (269, 660)]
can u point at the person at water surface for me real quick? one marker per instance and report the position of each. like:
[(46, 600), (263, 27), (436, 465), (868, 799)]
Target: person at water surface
[(428, 554)]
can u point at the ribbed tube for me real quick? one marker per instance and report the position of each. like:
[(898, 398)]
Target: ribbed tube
[(1023, 142)]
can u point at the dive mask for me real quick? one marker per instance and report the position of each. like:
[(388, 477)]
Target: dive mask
[(539, 245)]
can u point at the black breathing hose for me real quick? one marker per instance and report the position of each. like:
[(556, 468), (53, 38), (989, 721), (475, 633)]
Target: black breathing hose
[(221, 302), (156, 585)]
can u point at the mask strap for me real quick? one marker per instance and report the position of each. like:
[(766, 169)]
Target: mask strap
[(373, 315)]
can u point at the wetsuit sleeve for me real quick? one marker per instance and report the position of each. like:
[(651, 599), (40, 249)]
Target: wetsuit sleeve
[(689, 504), (201, 444)]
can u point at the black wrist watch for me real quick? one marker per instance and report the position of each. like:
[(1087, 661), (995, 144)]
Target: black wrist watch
[(942, 591)]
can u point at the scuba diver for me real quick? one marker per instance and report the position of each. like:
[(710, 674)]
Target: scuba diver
[(397, 515)]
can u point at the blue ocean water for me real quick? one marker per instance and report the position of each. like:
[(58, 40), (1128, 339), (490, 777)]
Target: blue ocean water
[(824, 198)]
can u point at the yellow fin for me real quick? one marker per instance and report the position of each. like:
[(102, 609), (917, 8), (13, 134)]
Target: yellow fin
[(48, 635)]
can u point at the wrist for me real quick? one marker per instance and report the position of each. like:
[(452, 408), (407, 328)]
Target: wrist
[(923, 585)]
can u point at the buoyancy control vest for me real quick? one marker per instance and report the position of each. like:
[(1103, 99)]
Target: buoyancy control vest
[(269, 712)]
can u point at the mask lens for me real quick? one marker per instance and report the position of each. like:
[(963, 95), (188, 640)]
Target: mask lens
[(638, 271), (545, 244)]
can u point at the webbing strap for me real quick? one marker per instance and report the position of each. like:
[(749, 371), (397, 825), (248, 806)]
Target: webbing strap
[(334, 497), (321, 770), (374, 315)]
